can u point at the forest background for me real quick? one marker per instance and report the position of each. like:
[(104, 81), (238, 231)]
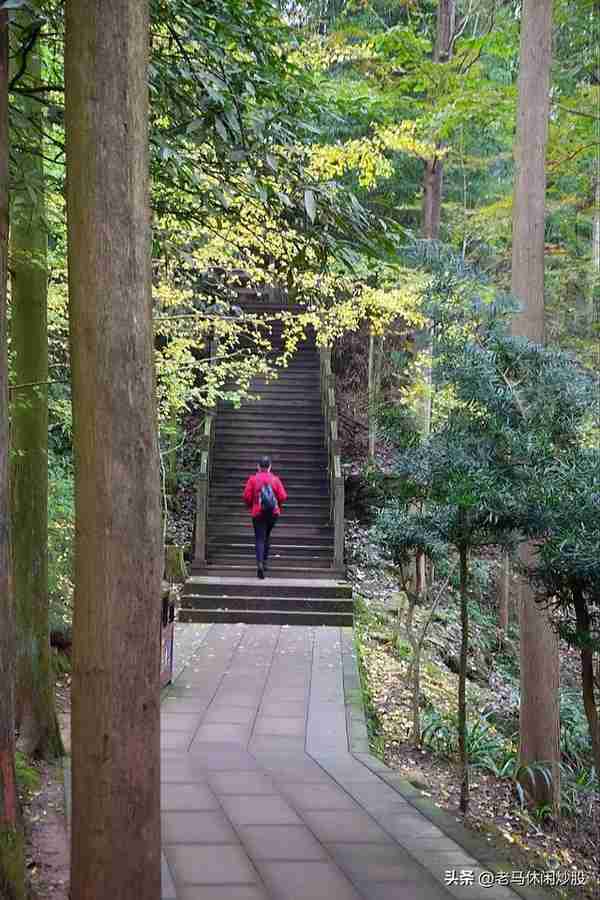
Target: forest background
[(358, 154)]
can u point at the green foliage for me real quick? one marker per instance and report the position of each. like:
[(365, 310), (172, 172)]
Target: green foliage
[(363, 621), (574, 734), (28, 777), (567, 564), (579, 789), (61, 536)]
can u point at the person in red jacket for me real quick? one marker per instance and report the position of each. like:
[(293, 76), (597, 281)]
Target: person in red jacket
[(264, 494)]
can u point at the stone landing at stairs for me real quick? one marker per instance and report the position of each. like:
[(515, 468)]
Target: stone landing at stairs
[(268, 789), (276, 600)]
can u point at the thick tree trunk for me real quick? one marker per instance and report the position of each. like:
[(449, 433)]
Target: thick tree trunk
[(539, 716), (37, 724), (539, 719), (431, 209), (116, 628), (596, 231), (587, 676), (12, 864), (373, 388), (462, 681), (434, 168), (530, 174)]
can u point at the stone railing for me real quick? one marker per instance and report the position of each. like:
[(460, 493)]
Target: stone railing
[(336, 480), (206, 441), (206, 455)]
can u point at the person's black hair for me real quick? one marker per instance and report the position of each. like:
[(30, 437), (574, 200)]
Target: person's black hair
[(264, 462)]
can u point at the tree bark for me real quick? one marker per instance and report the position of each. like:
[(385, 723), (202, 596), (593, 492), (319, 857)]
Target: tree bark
[(462, 680), (530, 173), (434, 168), (373, 387), (12, 863), (587, 675), (39, 734), (596, 230), (116, 628), (431, 209), (539, 714)]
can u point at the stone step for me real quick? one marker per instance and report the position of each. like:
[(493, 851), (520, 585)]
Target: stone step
[(278, 564), (290, 375), (259, 428), (292, 478), (268, 617), (289, 388), (318, 507), (297, 496), (284, 529), (229, 422), (256, 444), (295, 570), (283, 602), (299, 551), (198, 586), (268, 416), (305, 463), (242, 538), (237, 520), (273, 407)]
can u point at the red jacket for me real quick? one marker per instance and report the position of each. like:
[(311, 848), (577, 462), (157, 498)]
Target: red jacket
[(253, 488)]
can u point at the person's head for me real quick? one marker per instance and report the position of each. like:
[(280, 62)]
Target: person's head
[(264, 464)]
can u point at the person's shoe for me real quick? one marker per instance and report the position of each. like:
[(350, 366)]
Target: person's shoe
[(260, 572)]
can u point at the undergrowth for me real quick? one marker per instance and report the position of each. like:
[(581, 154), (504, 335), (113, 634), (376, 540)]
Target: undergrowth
[(363, 621)]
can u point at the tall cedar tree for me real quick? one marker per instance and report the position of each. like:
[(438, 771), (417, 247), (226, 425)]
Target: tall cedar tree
[(539, 713), (39, 734), (115, 719), (12, 869), (434, 168)]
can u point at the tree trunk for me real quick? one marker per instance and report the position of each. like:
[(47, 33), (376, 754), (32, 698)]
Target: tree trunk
[(462, 681), (39, 734), (434, 168), (530, 174), (431, 209), (12, 862), (539, 716), (587, 675), (374, 382), (596, 231), (116, 628)]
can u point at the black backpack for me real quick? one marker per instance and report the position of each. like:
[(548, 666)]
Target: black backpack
[(267, 499)]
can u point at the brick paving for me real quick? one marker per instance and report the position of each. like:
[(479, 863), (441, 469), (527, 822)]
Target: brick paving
[(268, 789)]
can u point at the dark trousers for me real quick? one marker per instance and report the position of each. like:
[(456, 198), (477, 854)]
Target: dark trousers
[(263, 526)]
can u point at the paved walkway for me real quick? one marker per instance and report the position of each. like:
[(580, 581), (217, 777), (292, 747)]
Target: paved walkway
[(262, 796)]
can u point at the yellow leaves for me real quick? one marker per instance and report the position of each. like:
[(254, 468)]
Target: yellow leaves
[(319, 56), (403, 138), (363, 155), (367, 156)]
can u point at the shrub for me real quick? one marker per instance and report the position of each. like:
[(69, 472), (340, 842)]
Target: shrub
[(61, 535)]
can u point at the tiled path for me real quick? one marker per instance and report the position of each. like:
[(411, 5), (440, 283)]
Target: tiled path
[(261, 796)]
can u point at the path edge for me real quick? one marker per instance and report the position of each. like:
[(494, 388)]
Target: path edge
[(358, 740)]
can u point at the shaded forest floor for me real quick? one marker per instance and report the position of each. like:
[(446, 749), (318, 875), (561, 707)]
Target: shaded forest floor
[(533, 842)]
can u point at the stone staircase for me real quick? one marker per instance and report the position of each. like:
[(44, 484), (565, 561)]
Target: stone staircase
[(304, 585)]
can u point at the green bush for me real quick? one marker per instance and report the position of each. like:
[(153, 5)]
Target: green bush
[(575, 741), (61, 536), (28, 778)]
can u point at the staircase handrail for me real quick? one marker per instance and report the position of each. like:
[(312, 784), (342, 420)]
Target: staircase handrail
[(336, 480), (207, 435)]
